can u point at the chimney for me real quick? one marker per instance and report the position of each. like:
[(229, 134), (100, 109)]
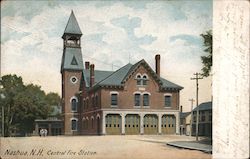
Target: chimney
[(157, 64), (87, 65), (181, 108), (92, 75)]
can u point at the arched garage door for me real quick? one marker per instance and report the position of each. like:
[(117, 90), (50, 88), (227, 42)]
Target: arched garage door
[(132, 124), (168, 124), (150, 124), (113, 124)]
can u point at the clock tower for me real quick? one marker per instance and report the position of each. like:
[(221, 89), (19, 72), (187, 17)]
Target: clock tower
[(71, 71)]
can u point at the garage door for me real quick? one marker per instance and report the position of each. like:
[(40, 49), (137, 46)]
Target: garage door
[(132, 124), (168, 124), (113, 124), (150, 124)]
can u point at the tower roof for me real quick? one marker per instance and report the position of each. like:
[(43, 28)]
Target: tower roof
[(72, 26)]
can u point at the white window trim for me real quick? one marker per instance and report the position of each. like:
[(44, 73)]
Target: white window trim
[(138, 75), (145, 75), (72, 78), (167, 94), (137, 92), (113, 92), (146, 93), (116, 93), (98, 116), (71, 119), (74, 97)]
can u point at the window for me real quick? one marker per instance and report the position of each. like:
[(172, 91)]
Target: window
[(167, 101), (114, 99), (141, 80), (138, 79), (144, 80), (74, 104), (146, 100), (73, 79), (137, 99), (210, 115), (203, 117), (74, 124)]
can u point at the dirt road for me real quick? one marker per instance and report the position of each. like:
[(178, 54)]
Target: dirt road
[(101, 147)]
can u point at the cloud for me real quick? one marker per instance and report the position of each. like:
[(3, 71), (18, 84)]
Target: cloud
[(114, 33)]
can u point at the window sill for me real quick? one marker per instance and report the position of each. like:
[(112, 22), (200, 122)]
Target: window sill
[(167, 107), (114, 106), (137, 106), (146, 106), (73, 111)]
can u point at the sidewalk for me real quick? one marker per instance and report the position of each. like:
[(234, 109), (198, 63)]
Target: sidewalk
[(203, 145)]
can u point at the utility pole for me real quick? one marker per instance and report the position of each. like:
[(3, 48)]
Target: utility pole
[(197, 108), (191, 120)]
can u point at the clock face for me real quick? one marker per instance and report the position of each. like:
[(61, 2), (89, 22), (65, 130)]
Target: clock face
[(73, 79)]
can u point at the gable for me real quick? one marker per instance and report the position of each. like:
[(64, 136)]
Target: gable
[(162, 83)]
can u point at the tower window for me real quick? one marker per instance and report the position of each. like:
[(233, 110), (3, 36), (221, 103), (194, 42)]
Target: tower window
[(74, 104), (73, 79), (74, 124)]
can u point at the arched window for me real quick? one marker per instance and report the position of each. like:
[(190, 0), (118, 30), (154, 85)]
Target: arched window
[(145, 99), (144, 80), (74, 124), (74, 102), (137, 99), (138, 79), (141, 80)]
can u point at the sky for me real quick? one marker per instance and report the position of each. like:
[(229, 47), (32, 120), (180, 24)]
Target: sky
[(114, 34)]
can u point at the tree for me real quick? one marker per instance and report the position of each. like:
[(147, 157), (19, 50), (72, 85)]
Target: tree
[(24, 103), (207, 60)]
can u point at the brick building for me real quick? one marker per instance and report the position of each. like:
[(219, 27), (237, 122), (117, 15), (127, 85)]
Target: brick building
[(134, 99)]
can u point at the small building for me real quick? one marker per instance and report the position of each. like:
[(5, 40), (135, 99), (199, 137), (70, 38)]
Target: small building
[(185, 120), (53, 123), (205, 120)]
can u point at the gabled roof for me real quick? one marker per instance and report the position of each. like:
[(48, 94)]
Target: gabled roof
[(72, 59), (119, 77), (72, 26), (204, 106)]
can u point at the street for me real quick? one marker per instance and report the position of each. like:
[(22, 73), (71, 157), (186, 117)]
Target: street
[(93, 147)]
